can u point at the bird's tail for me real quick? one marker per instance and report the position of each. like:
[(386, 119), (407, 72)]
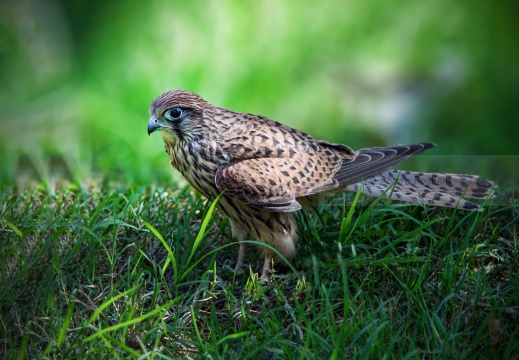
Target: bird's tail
[(438, 189)]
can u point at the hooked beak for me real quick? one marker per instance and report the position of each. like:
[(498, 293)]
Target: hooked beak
[(154, 124)]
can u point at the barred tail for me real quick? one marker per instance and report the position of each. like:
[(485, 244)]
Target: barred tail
[(438, 189)]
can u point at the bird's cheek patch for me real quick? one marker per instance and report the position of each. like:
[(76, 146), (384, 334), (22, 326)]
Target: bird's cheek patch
[(169, 136)]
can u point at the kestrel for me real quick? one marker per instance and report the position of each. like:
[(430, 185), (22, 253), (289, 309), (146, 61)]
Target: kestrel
[(267, 169)]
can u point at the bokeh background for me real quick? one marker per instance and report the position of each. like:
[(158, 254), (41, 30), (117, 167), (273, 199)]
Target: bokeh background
[(76, 77)]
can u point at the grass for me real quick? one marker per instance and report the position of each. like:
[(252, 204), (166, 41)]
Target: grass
[(103, 269)]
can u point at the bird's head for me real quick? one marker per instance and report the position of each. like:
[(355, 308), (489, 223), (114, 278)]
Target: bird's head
[(179, 114)]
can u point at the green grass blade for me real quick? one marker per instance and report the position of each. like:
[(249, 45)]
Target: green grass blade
[(68, 317), (125, 324), (233, 337), (347, 221), (14, 228), (107, 303), (23, 347), (197, 332), (203, 226), (171, 254)]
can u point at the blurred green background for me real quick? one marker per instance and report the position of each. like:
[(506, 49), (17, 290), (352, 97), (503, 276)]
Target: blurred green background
[(77, 76)]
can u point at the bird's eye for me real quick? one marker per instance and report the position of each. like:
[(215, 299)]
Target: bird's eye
[(174, 114)]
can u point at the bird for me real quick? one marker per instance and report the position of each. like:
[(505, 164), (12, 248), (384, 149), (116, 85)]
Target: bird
[(267, 171)]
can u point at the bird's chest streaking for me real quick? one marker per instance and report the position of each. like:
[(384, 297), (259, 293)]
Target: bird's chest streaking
[(197, 163)]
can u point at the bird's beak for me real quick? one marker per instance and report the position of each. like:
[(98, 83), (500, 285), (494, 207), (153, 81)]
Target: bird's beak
[(154, 124)]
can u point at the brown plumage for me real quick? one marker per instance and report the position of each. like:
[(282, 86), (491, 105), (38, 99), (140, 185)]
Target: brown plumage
[(267, 169)]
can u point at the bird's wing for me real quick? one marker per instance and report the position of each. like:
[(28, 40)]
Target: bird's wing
[(373, 161), (273, 184)]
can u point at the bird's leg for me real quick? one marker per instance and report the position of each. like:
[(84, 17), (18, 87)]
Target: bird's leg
[(242, 234), (265, 272), (241, 257)]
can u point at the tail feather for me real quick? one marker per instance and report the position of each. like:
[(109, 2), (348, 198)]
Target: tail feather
[(438, 189), (370, 162)]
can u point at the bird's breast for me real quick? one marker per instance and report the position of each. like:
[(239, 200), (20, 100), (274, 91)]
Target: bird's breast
[(197, 164)]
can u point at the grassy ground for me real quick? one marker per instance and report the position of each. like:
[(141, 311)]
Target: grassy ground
[(102, 269)]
